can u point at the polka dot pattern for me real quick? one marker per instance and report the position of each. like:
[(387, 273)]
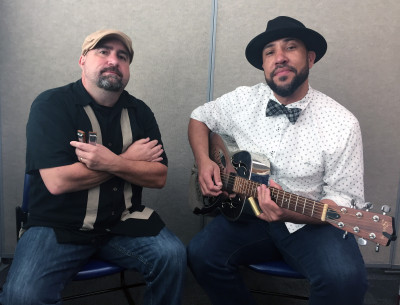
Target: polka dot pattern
[(318, 157)]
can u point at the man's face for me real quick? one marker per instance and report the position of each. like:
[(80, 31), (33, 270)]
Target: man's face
[(286, 64), (106, 66)]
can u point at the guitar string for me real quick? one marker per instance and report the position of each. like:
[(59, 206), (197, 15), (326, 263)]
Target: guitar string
[(282, 193), (308, 206)]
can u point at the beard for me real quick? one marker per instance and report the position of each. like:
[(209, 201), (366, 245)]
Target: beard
[(110, 82), (289, 89)]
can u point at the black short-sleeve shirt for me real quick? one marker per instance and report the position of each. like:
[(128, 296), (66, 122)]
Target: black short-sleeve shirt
[(54, 119)]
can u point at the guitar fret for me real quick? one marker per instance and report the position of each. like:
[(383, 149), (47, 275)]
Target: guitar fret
[(255, 185), (297, 203), (312, 211)]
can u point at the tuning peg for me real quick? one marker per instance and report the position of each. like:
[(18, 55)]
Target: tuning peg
[(377, 248), (386, 209), (361, 241), (345, 235), (368, 206), (353, 203)]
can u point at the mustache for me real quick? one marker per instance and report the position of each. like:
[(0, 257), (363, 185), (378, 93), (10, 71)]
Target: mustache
[(111, 69), (283, 66)]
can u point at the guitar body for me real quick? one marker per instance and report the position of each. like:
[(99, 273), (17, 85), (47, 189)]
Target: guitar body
[(234, 162)]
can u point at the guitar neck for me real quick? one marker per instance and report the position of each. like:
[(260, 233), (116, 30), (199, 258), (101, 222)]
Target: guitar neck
[(283, 199)]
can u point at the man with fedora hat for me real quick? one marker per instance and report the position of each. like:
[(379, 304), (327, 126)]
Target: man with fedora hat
[(91, 148), (315, 150)]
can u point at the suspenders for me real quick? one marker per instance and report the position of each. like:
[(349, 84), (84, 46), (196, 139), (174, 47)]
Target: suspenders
[(94, 193)]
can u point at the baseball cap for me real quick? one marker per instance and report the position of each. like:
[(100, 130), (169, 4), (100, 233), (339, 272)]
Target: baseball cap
[(93, 39)]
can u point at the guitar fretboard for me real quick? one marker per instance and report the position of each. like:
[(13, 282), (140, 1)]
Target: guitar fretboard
[(284, 199)]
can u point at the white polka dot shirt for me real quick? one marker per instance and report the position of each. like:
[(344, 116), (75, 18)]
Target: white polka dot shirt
[(319, 157)]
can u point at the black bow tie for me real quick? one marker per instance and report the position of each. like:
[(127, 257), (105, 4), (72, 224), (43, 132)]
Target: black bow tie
[(275, 108)]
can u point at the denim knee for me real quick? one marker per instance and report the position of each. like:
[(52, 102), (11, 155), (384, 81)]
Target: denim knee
[(173, 256), (339, 279), (346, 285)]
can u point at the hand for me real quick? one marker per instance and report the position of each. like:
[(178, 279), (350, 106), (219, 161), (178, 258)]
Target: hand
[(95, 157), (144, 150), (209, 178), (270, 210)]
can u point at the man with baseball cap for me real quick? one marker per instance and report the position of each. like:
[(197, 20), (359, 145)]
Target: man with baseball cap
[(315, 150), (91, 148)]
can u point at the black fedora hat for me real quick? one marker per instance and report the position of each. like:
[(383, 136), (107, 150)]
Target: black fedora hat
[(282, 27)]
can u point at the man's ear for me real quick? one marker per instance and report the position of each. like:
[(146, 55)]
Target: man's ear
[(311, 58), (82, 60)]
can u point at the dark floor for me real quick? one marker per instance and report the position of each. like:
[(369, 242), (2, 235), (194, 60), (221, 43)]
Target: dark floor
[(383, 289)]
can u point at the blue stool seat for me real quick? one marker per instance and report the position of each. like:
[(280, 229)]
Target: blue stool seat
[(96, 268), (278, 268)]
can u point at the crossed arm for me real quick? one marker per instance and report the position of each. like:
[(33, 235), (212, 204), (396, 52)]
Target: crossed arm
[(139, 165)]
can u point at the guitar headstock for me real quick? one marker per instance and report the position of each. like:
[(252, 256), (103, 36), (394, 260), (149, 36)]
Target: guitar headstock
[(369, 226)]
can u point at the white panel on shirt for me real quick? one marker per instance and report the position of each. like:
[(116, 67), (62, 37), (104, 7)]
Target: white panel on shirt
[(318, 157)]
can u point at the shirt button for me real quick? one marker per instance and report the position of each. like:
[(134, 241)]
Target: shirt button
[(109, 144), (115, 189)]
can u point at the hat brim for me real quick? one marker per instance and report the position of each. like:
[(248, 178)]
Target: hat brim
[(312, 40)]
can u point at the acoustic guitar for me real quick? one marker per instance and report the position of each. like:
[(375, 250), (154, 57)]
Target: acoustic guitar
[(237, 167)]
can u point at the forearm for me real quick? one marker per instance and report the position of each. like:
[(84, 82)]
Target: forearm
[(77, 177), (72, 178), (143, 173)]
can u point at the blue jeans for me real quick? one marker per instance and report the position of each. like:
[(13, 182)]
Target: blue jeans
[(333, 265), (42, 267)]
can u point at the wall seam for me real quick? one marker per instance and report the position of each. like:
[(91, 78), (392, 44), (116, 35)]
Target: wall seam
[(211, 64)]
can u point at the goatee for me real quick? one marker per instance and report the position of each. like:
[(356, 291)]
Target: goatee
[(290, 88), (110, 83)]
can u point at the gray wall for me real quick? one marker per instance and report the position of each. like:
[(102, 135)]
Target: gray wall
[(40, 47)]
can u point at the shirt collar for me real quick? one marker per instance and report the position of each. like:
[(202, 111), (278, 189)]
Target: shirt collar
[(302, 104)]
